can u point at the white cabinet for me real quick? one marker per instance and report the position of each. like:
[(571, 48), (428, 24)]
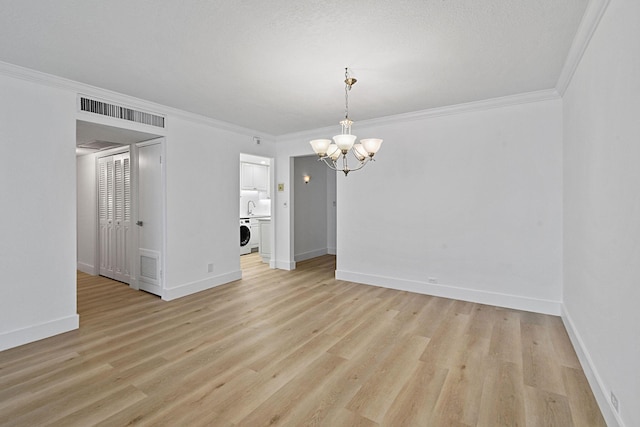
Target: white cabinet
[(255, 234), (254, 177), (265, 239)]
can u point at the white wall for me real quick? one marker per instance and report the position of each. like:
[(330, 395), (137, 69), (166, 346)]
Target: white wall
[(86, 214), (38, 215), (471, 200), (203, 181), (38, 257), (602, 210), (310, 208)]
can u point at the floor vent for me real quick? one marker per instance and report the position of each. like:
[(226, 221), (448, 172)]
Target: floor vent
[(119, 112)]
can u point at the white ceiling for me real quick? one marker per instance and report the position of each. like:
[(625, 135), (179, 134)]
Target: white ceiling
[(277, 66)]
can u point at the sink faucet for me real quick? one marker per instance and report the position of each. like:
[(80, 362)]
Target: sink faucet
[(249, 212)]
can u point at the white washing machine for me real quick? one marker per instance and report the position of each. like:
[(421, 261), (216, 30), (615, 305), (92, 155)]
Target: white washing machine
[(245, 236)]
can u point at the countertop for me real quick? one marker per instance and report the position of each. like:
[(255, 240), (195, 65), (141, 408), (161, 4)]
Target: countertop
[(256, 217)]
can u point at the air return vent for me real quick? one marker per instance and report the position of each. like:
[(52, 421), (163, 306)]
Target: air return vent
[(96, 145), (119, 112)]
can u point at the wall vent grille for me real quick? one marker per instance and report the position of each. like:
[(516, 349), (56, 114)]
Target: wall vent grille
[(119, 112)]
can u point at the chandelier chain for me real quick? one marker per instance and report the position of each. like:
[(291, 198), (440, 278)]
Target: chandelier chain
[(347, 86)]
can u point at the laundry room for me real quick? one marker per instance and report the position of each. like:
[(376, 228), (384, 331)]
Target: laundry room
[(255, 204)]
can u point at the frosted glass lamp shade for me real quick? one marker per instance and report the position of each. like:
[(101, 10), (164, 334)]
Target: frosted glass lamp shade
[(360, 152), (320, 146), (344, 141), (334, 152), (371, 145)]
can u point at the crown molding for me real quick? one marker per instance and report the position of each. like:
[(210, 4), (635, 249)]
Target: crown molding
[(590, 20), (38, 77), (468, 107), (169, 112)]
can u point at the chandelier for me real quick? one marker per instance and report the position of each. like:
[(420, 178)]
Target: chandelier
[(334, 154)]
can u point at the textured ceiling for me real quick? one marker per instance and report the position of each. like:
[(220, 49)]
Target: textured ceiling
[(277, 66)]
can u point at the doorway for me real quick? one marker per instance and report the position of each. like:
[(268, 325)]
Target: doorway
[(314, 208), (255, 208), (123, 250)]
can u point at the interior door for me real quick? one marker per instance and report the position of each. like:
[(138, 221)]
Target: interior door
[(150, 228), (114, 216), (121, 215), (105, 215)]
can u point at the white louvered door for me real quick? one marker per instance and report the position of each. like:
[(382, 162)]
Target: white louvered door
[(114, 214)]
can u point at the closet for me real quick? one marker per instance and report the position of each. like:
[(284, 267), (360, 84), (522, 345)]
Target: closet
[(114, 215)]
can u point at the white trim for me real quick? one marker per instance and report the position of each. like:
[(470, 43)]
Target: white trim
[(310, 254), (332, 251), (283, 265), (51, 80), (590, 20), (595, 380), (200, 285), (39, 331), (137, 103), (483, 297), (468, 107), (86, 268)]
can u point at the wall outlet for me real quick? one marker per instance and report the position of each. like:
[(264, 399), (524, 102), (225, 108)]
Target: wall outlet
[(432, 280), (210, 267), (614, 402)]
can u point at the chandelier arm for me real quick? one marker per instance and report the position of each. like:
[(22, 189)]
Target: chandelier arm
[(330, 163), (361, 164)]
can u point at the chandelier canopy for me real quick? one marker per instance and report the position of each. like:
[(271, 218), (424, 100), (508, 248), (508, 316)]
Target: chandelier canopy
[(335, 153)]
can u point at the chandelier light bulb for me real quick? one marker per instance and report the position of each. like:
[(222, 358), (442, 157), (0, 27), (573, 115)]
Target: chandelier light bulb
[(333, 152), (371, 145), (320, 146), (345, 142), (360, 152)]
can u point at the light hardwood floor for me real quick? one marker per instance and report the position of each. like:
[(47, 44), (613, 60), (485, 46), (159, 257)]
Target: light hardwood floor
[(295, 348)]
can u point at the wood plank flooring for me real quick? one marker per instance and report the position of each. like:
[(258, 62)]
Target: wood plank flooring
[(295, 348)]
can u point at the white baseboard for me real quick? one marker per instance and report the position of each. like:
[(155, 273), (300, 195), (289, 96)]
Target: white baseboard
[(200, 285), (86, 268), (595, 381), (332, 251), (37, 332), (284, 265), (453, 292), (310, 254)]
